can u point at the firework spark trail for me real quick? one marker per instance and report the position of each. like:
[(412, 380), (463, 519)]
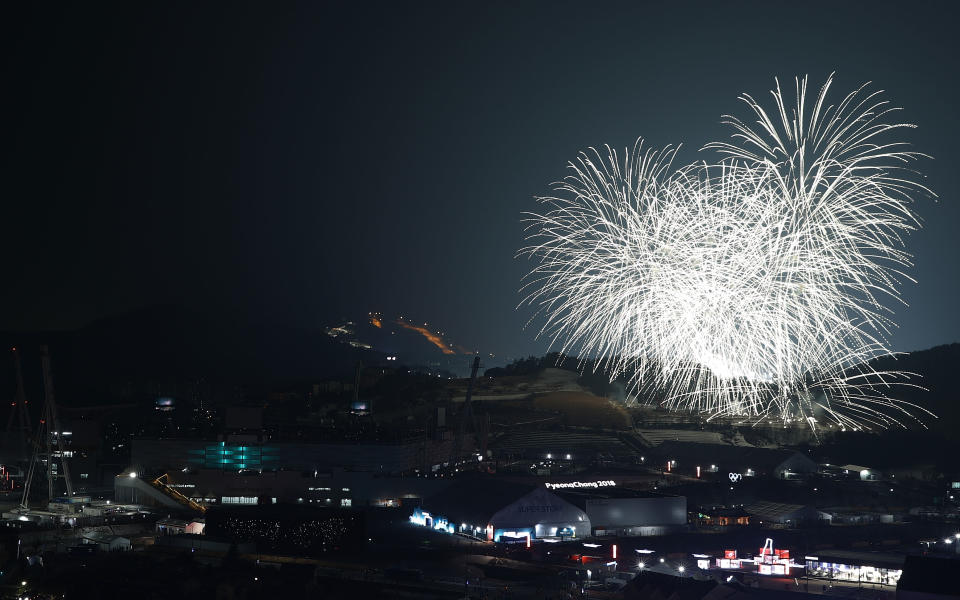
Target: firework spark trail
[(750, 287)]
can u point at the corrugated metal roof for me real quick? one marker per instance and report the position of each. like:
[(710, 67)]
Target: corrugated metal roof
[(775, 511)]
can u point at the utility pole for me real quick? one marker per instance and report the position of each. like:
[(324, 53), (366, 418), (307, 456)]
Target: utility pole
[(356, 386)]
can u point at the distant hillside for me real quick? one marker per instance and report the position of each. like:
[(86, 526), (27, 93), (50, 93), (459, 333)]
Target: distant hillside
[(415, 344), (934, 370), (937, 373), (170, 343)]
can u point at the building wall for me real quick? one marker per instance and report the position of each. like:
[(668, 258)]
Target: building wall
[(637, 531), (155, 455), (619, 513), (340, 489)]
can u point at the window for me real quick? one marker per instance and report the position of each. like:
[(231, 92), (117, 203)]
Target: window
[(346, 502), (238, 500)]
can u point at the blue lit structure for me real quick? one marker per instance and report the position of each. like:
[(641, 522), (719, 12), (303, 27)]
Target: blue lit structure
[(234, 456)]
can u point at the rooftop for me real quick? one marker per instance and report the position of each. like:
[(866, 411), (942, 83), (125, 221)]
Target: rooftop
[(869, 559), (774, 510)]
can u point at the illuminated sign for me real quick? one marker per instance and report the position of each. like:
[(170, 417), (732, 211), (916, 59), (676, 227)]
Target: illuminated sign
[(538, 508), (735, 477), (580, 484), (773, 561)]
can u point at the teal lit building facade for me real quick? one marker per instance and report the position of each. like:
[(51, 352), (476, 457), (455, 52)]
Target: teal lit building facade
[(232, 457)]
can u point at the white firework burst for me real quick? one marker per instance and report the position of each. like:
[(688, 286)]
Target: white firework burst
[(751, 287)]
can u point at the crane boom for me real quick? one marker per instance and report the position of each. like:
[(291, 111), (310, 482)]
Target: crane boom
[(47, 429), (53, 419), (465, 413), (19, 412)]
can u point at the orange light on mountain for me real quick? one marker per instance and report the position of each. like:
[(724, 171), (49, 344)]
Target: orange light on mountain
[(432, 337)]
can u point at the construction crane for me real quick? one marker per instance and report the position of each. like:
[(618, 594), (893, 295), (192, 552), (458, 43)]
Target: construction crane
[(19, 411), (47, 435), (465, 413)]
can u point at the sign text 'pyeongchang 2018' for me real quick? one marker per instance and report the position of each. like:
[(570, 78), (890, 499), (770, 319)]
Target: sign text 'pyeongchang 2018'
[(581, 484)]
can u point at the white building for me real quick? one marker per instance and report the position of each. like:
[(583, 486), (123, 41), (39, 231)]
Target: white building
[(497, 510)]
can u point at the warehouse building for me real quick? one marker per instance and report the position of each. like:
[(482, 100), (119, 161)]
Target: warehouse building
[(779, 513), (497, 510), (623, 512)]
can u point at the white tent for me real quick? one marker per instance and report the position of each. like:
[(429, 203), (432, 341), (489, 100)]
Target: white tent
[(542, 512)]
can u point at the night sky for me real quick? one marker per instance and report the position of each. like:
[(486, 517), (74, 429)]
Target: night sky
[(292, 164)]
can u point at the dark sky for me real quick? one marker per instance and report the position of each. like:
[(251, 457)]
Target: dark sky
[(296, 163)]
